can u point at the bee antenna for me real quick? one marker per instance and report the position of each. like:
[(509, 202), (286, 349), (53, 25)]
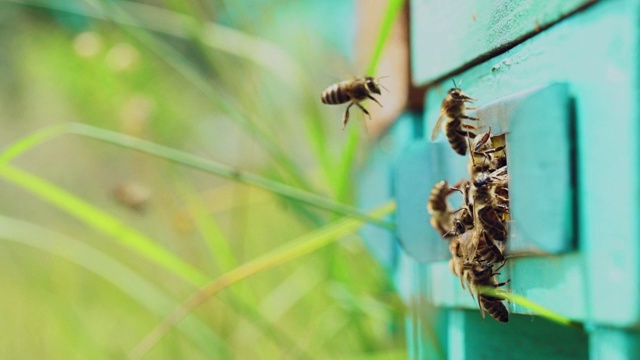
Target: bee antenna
[(382, 86), (458, 85)]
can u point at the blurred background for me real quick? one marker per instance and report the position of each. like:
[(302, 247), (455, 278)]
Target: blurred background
[(236, 82)]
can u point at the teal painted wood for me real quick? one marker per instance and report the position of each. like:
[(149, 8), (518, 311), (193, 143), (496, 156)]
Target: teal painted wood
[(472, 337), (596, 53), (375, 186), (614, 344), (555, 282), (540, 178), (446, 34), (543, 227), (417, 170), (604, 80), (427, 333), (538, 126)]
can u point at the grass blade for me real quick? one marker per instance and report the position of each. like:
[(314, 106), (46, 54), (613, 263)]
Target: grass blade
[(215, 36), (127, 280), (188, 160), (302, 246), (221, 170), (104, 223), (391, 14), (526, 303)]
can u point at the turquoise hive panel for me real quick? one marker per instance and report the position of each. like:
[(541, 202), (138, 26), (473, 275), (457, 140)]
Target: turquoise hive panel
[(446, 34), (568, 100)]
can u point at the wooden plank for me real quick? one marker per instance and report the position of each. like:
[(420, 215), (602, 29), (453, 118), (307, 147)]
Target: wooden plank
[(427, 334), (541, 227), (447, 34), (555, 282), (614, 344), (604, 80), (528, 118), (417, 170), (472, 337)]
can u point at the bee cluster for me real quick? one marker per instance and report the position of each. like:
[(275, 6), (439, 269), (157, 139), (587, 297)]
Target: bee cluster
[(477, 231)]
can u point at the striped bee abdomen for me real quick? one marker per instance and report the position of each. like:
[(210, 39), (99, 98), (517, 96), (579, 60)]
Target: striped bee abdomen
[(487, 251), (438, 198), (494, 307), (334, 95)]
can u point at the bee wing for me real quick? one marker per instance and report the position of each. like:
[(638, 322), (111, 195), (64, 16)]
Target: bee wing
[(480, 306), (436, 129)]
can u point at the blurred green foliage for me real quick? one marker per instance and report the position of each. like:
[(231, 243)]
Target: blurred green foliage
[(236, 82)]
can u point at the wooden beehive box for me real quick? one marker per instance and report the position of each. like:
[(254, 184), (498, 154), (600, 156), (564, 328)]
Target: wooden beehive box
[(561, 78)]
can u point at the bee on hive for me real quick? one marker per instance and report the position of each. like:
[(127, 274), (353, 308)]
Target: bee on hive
[(489, 207), (440, 209), (483, 275), (454, 108), (484, 157)]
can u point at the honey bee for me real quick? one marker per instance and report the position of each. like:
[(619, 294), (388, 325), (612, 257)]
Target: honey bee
[(453, 108), (486, 250), (489, 206), (458, 247), (484, 157), (463, 217), (440, 210), (494, 307), (353, 91), (483, 275)]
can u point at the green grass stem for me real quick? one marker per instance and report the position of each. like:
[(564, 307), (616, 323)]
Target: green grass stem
[(189, 160), (535, 308), (394, 7), (104, 223), (304, 245), (131, 283)]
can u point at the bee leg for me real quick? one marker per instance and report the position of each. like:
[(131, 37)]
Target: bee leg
[(469, 117), (345, 117), (466, 133), (363, 110), (472, 107), (374, 99)]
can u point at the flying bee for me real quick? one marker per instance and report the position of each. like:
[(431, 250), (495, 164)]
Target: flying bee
[(454, 109), (440, 210), (352, 91)]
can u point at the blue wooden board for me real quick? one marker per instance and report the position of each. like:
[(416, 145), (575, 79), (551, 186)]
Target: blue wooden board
[(447, 34), (557, 283), (524, 337), (594, 58), (604, 80), (375, 186), (417, 170), (538, 125)]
